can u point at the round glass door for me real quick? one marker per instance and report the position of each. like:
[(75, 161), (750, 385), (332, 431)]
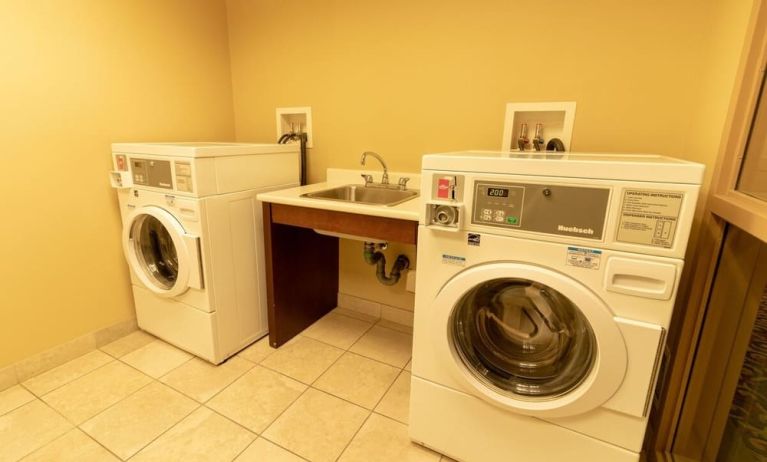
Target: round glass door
[(523, 338), (160, 252), (155, 251)]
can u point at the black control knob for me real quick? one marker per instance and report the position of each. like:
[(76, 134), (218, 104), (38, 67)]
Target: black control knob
[(546, 192)]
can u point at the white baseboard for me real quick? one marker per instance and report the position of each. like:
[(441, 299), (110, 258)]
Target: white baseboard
[(375, 309), (42, 362)]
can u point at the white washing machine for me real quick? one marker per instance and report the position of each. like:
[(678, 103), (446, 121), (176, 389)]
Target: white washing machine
[(546, 286), (193, 238)]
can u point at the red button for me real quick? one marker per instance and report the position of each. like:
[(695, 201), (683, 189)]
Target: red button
[(443, 188)]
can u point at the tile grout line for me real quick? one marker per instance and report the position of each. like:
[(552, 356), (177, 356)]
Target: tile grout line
[(97, 442), (167, 372), (55, 437), (204, 404), (252, 365), (73, 424), (346, 446), (357, 341), (258, 435), (113, 405), (34, 398), (74, 427), (402, 370), (232, 420), (153, 380), (281, 447), (26, 387), (164, 432), (308, 387), (233, 382)]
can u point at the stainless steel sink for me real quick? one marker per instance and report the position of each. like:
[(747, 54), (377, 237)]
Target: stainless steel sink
[(360, 194)]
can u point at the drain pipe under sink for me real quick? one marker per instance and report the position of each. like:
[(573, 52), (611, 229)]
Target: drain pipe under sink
[(376, 257)]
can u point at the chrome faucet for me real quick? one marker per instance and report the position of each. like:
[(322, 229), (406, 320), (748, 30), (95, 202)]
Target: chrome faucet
[(385, 177)]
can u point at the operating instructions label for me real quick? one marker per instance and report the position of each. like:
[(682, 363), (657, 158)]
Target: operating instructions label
[(649, 217), (583, 258)]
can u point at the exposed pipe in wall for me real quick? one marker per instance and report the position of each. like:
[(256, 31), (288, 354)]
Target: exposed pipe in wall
[(376, 257)]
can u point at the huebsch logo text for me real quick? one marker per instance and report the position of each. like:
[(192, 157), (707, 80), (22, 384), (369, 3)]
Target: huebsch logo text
[(575, 229)]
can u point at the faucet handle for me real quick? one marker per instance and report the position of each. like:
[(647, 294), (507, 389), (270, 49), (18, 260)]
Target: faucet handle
[(368, 178), (403, 183)]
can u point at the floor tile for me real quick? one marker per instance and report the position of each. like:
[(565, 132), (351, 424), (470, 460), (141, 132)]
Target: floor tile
[(201, 380), (67, 372), (14, 397), (447, 459), (257, 398), (382, 440), (358, 379), (128, 344), (134, 422), (337, 330), (85, 397), (265, 451), (157, 358), (73, 446), (29, 427), (409, 366), (304, 359), (202, 436), (396, 402), (317, 426), (385, 345), (258, 351)]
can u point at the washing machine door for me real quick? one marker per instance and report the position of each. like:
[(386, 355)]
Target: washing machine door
[(159, 251), (529, 339)]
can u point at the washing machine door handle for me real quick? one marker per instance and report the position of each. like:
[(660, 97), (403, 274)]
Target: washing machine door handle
[(195, 280)]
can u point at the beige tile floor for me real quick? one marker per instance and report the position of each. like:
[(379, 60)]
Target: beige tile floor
[(337, 392)]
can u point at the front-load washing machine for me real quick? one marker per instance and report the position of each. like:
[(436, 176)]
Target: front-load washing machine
[(546, 287), (193, 238)]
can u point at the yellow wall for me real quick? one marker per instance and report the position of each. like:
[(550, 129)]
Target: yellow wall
[(74, 77), (405, 78), (401, 77)]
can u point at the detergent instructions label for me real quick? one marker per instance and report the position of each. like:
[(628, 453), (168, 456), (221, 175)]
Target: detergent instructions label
[(649, 217), (583, 258)]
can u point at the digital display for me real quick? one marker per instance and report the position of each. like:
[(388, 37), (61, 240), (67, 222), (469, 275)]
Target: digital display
[(497, 192)]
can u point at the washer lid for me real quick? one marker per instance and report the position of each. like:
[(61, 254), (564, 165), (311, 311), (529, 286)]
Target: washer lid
[(202, 149), (160, 253), (529, 339), (628, 167)]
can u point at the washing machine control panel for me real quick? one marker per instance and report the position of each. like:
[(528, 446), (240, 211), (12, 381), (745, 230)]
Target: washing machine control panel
[(498, 204), (545, 208), (151, 172)]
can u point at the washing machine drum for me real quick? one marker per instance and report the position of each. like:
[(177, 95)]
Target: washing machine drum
[(524, 338), (156, 250)]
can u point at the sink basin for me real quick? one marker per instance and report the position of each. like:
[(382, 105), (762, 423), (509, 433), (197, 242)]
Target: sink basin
[(360, 194)]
